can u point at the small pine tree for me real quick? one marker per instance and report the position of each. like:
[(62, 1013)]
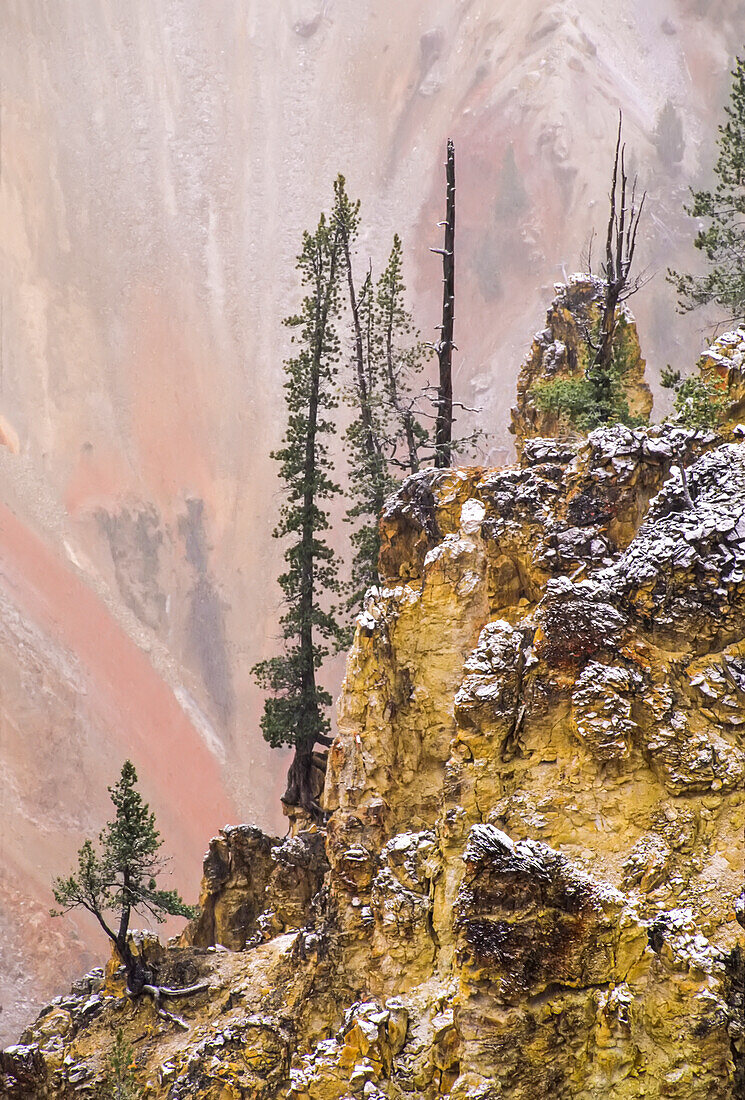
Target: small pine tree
[(402, 354), (699, 403), (120, 1082), (597, 398), (295, 711), (119, 875), (723, 240)]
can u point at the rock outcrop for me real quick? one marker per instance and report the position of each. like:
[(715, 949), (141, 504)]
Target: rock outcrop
[(562, 352), (723, 363), (255, 886), (529, 880), (156, 171)]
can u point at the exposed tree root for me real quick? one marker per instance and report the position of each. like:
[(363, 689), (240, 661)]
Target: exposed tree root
[(158, 992)]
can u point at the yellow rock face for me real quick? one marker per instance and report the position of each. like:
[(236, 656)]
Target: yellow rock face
[(562, 351), (536, 810), (579, 735), (724, 364)]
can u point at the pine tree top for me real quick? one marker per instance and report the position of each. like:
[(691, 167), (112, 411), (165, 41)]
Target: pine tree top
[(722, 241), (119, 873)]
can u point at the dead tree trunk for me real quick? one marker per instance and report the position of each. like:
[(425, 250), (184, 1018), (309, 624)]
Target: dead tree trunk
[(444, 346), (620, 244)]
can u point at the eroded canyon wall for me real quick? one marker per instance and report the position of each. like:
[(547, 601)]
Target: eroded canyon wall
[(157, 165), (533, 873)]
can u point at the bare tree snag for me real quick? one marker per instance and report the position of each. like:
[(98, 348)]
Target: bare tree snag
[(444, 346), (620, 244)]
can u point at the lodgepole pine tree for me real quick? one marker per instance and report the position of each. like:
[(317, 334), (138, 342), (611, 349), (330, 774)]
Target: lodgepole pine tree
[(385, 436), (723, 240), (369, 478), (295, 710), (119, 876), (402, 356)]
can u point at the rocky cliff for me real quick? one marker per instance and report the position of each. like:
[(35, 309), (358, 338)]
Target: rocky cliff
[(562, 352), (159, 164), (531, 875)]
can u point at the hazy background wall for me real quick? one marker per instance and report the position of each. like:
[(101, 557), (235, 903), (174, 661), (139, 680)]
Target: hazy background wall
[(158, 162)]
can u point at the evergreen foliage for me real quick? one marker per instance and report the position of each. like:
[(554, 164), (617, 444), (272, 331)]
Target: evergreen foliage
[(698, 403), (722, 241), (295, 710), (596, 399), (369, 477), (120, 1082), (118, 874), (385, 437), (370, 483), (402, 354)]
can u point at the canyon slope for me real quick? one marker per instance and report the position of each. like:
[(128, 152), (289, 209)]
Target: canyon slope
[(530, 882), (158, 164)]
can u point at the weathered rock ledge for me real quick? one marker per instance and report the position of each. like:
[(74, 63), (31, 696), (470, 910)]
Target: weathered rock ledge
[(561, 352), (534, 850)]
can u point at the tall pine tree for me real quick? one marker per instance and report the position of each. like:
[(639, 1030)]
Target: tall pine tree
[(723, 240), (402, 356), (369, 478), (296, 708)]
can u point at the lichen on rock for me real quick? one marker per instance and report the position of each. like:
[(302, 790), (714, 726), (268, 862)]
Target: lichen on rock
[(530, 879), (562, 352), (723, 364)]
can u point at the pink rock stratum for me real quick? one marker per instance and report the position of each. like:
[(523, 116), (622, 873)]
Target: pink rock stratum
[(158, 164)]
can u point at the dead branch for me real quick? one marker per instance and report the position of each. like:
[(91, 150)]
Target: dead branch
[(620, 245)]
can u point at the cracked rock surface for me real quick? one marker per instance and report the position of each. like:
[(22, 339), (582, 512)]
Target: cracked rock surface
[(530, 882), (561, 352)]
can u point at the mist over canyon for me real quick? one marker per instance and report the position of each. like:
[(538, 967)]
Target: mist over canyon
[(158, 164)]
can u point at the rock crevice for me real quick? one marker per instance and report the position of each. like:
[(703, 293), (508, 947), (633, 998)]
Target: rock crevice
[(529, 879)]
